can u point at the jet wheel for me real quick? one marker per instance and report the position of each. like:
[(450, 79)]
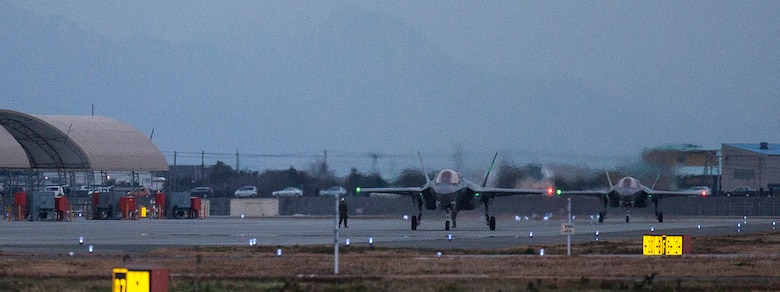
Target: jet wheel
[(414, 222), (660, 217), (601, 217), (627, 218), (492, 223), (447, 225)]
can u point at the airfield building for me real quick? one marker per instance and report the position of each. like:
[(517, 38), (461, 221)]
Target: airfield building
[(756, 166)]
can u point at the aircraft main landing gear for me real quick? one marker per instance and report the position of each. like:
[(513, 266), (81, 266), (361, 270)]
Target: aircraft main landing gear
[(414, 223), (658, 215), (489, 220)]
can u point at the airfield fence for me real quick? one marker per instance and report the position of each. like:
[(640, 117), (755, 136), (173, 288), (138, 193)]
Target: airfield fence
[(504, 206)]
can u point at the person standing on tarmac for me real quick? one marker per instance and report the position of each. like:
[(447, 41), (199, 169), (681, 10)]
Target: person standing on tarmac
[(343, 215)]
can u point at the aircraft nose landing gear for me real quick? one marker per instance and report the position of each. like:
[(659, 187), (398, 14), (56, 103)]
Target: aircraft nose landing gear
[(451, 215)]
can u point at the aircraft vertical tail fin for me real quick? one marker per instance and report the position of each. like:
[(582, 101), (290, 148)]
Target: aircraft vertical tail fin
[(484, 183), (425, 172), (608, 179), (656, 181)]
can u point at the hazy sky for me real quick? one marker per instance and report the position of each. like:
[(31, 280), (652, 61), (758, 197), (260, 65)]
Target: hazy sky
[(585, 80)]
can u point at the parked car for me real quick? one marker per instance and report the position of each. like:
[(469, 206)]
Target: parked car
[(288, 192), (140, 192), (741, 191), (334, 191), (203, 192), (59, 191), (246, 192)]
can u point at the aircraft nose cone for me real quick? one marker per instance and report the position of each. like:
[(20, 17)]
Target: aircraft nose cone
[(445, 189)]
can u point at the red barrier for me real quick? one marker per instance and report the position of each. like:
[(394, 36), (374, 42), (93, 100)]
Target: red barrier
[(159, 201), (127, 206), (195, 207), (60, 207)]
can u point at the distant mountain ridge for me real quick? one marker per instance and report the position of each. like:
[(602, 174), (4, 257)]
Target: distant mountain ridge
[(359, 81)]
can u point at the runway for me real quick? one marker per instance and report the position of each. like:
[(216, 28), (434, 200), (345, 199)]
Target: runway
[(133, 236)]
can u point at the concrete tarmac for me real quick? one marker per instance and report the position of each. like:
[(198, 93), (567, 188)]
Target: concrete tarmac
[(133, 236)]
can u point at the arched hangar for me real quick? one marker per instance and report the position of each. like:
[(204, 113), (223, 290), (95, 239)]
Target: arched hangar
[(74, 143)]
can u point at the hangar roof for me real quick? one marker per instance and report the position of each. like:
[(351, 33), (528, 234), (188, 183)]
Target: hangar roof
[(772, 149), (11, 153), (76, 142)]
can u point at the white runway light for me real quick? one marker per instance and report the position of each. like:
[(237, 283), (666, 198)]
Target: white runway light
[(698, 226), (346, 242), (242, 216), (449, 237), (541, 252), (438, 254), (81, 239), (371, 241), (90, 249), (652, 229), (531, 234), (406, 217), (278, 252)]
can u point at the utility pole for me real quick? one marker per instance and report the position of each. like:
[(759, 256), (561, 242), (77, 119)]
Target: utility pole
[(568, 237), (336, 240)]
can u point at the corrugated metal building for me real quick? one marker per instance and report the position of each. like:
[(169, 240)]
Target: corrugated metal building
[(753, 165)]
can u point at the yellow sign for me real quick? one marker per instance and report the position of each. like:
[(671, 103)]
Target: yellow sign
[(657, 245), (130, 281)]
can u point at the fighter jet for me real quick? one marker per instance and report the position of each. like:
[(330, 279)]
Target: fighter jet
[(630, 193), (451, 192)]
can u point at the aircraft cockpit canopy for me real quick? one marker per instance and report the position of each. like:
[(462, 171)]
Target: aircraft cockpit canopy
[(628, 182), (447, 176)]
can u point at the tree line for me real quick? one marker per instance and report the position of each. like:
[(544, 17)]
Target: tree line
[(225, 180)]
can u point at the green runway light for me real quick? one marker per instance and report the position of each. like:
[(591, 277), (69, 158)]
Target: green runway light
[(357, 189), (558, 192), (476, 194)]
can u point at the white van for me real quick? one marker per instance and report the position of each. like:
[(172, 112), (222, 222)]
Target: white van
[(58, 190)]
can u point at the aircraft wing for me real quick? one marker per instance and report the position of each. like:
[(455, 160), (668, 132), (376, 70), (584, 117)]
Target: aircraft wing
[(407, 191), (597, 194), (499, 192), (677, 193)]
